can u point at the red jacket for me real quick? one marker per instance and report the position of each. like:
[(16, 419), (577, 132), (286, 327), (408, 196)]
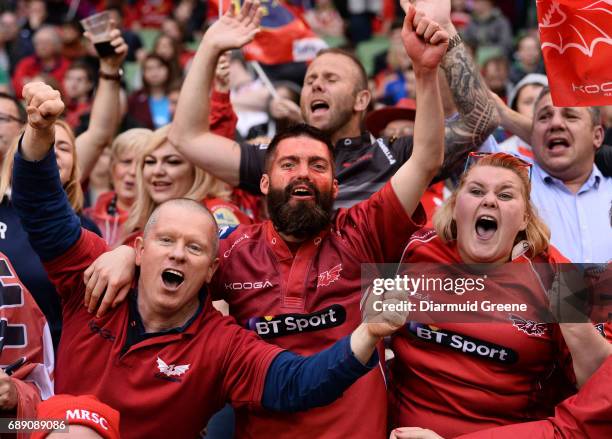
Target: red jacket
[(587, 414), (457, 378), (30, 66), (308, 300), (221, 362)]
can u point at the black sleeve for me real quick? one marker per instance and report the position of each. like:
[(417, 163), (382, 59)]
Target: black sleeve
[(251, 166), (603, 160)]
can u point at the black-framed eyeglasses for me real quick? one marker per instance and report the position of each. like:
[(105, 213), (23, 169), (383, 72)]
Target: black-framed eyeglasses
[(6, 118), (474, 156)]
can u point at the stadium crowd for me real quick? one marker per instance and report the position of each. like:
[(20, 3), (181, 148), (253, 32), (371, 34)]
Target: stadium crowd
[(185, 221)]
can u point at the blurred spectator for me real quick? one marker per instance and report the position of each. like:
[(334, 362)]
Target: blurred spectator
[(324, 19), (395, 78), (460, 15), (149, 13), (169, 49), (78, 87), (394, 58), (72, 42), (112, 208), (190, 14), (136, 51), (361, 13), (249, 98), (150, 105), (527, 58), (36, 17), (173, 97), (13, 46), (489, 27), (396, 121), (285, 108), (495, 74), (12, 118), (522, 99), (99, 182), (174, 30), (47, 58)]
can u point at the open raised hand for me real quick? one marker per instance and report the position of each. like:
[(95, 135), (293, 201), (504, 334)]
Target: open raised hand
[(232, 30)]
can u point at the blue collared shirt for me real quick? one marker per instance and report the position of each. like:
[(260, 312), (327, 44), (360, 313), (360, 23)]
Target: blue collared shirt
[(579, 222)]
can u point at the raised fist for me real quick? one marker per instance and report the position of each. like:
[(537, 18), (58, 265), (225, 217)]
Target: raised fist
[(425, 40), (43, 104)]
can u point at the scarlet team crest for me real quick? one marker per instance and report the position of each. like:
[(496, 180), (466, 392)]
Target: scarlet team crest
[(529, 327), (330, 276), (576, 38)]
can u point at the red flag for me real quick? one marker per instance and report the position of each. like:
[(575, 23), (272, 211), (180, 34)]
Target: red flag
[(284, 37), (576, 38)]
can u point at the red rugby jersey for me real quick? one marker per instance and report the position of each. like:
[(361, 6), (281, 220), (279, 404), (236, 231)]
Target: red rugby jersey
[(513, 375), (25, 333), (584, 415), (307, 301), (165, 386)]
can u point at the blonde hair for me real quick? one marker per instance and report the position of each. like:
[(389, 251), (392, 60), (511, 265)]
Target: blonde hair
[(72, 187), (536, 234), (134, 140), (204, 185)]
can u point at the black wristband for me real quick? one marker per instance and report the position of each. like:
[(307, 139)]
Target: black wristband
[(116, 77)]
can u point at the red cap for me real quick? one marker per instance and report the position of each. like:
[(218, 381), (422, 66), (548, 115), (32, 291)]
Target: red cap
[(377, 120), (84, 410)]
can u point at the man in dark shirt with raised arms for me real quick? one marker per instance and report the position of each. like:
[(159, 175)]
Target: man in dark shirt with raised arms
[(164, 358), (335, 99)]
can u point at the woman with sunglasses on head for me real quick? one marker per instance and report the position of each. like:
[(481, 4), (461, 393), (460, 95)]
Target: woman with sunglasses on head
[(456, 378)]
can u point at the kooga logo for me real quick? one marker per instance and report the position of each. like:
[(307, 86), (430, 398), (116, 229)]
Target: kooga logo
[(605, 87), (234, 286)]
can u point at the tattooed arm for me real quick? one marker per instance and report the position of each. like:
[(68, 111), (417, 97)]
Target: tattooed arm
[(478, 116)]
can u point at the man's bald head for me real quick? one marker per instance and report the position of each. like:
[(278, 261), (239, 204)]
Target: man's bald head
[(190, 207)]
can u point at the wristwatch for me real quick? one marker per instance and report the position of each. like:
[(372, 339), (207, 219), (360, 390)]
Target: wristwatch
[(111, 77), (454, 42)]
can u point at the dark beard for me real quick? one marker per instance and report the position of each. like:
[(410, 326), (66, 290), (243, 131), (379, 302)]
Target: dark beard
[(302, 219)]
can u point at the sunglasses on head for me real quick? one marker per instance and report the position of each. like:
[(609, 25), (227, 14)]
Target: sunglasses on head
[(473, 157)]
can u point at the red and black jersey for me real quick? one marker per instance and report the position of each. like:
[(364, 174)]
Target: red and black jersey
[(456, 378), (25, 333), (179, 378), (307, 301)]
